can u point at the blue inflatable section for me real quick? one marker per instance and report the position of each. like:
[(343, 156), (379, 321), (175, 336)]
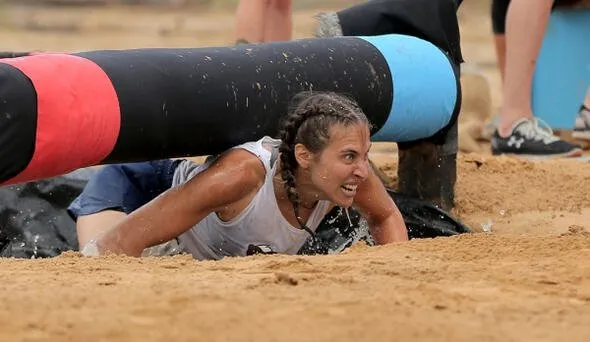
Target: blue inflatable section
[(424, 88), (562, 73)]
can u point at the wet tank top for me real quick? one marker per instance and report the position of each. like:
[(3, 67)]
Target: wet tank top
[(260, 223)]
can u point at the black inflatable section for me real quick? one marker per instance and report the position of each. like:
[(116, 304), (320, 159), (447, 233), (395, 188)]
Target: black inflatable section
[(34, 221), (189, 99), (13, 54), (18, 121)]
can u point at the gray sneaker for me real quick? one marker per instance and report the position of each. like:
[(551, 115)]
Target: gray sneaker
[(582, 125)]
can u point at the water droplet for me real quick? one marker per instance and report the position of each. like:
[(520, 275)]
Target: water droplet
[(487, 226)]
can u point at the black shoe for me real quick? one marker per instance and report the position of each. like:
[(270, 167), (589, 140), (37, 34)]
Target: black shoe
[(529, 140), (582, 126)]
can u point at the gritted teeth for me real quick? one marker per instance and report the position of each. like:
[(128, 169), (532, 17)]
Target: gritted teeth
[(349, 187)]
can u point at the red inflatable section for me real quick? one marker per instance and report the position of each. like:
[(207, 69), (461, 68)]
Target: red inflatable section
[(78, 114)]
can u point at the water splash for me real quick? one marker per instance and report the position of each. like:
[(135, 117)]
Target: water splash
[(35, 246), (487, 226)]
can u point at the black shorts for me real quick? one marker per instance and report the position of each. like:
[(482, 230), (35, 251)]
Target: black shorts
[(432, 20), (500, 8)]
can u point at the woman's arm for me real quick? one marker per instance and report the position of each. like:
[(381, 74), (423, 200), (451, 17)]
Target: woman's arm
[(232, 177), (386, 223)]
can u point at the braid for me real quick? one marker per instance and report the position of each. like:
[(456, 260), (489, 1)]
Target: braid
[(308, 122), (287, 155)]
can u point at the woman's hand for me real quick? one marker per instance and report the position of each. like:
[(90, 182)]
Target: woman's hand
[(386, 223)]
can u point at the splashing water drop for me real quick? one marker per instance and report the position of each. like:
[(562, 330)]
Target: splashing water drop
[(487, 226)]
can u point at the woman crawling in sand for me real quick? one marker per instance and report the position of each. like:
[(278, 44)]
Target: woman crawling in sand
[(270, 193)]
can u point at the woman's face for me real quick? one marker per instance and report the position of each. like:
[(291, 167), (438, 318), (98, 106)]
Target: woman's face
[(343, 164)]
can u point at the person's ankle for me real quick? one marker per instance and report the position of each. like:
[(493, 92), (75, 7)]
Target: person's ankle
[(509, 117), (505, 127), (504, 131)]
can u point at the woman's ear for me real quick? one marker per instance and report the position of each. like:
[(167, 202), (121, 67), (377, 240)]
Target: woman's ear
[(303, 156)]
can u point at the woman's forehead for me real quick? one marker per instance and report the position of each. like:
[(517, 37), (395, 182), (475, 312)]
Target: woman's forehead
[(357, 133)]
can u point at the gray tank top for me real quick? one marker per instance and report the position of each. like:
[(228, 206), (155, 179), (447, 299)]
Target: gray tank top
[(260, 223)]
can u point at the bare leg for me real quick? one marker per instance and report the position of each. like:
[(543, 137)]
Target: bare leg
[(526, 22), (278, 25), (587, 100), (500, 44), (89, 227), (250, 20)]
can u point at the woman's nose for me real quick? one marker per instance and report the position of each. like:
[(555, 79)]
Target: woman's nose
[(362, 169)]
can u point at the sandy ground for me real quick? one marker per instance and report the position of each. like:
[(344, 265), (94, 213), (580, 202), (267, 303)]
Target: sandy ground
[(527, 280)]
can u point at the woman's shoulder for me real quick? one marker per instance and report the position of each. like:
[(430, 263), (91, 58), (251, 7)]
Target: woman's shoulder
[(265, 149), (244, 165), (266, 143)]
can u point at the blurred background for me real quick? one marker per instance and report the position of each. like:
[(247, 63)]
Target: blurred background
[(78, 25)]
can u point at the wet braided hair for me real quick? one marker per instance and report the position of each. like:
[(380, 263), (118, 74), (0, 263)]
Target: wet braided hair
[(310, 117)]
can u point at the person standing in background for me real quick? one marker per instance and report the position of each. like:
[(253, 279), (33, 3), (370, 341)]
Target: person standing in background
[(519, 27), (260, 21)]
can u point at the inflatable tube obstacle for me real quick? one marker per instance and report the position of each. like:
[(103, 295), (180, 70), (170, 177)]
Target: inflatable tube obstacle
[(60, 112)]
